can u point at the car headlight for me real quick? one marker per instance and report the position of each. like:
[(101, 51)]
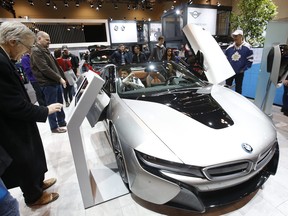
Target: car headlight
[(155, 165)]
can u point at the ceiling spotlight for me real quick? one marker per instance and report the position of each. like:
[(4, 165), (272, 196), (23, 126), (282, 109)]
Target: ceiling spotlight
[(115, 6), (172, 7), (91, 5), (100, 5), (128, 6), (48, 3), (218, 4), (190, 2), (54, 7), (178, 11), (97, 8), (66, 3), (31, 2), (77, 4)]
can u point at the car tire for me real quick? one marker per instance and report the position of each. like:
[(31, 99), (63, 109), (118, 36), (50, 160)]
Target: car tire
[(117, 150)]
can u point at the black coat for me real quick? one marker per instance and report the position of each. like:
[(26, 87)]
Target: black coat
[(117, 56), (141, 58), (19, 132)]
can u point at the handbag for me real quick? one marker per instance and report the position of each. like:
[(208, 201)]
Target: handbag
[(70, 77)]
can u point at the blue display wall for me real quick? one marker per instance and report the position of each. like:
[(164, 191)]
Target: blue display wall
[(251, 79)]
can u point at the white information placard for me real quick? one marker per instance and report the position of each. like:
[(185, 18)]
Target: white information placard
[(123, 32), (204, 17)]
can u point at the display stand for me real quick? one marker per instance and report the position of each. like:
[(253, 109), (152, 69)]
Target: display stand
[(276, 33), (95, 185)]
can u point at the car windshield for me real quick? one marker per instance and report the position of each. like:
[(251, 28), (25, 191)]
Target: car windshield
[(154, 79), (101, 56)]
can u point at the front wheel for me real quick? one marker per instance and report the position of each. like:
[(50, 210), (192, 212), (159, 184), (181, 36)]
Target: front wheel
[(119, 156)]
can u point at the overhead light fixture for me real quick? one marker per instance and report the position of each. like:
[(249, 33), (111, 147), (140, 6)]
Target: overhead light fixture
[(77, 4), (91, 4), (54, 6), (31, 2), (128, 6), (190, 2), (48, 3), (218, 4), (115, 6), (66, 3)]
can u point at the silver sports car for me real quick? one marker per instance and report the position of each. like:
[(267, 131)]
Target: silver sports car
[(181, 141)]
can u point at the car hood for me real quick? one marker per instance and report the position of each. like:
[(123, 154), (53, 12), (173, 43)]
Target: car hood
[(196, 143)]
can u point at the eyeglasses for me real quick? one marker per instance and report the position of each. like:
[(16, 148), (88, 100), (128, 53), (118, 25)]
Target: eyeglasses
[(27, 46)]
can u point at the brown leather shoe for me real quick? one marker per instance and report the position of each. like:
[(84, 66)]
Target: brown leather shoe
[(59, 130), (45, 199), (48, 183)]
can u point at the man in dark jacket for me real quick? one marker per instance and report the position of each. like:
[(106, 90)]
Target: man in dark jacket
[(50, 78), (138, 56), (120, 57), (20, 137), (158, 50)]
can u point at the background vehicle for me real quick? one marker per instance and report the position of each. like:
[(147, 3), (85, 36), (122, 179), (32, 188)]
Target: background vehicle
[(98, 58)]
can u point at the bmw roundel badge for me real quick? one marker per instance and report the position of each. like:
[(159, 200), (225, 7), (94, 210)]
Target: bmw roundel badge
[(247, 147)]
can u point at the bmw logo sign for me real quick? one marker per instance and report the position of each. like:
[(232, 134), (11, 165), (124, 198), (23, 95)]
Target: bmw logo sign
[(247, 147)]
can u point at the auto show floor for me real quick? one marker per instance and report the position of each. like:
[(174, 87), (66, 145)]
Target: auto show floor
[(271, 200)]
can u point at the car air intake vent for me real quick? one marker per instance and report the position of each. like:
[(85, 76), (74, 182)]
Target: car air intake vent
[(228, 171), (201, 107), (265, 157)]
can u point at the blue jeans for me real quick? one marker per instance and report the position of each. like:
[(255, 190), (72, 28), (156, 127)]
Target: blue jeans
[(8, 205), (53, 94)]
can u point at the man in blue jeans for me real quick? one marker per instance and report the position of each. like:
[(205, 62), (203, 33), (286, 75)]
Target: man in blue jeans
[(50, 78), (240, 56)]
